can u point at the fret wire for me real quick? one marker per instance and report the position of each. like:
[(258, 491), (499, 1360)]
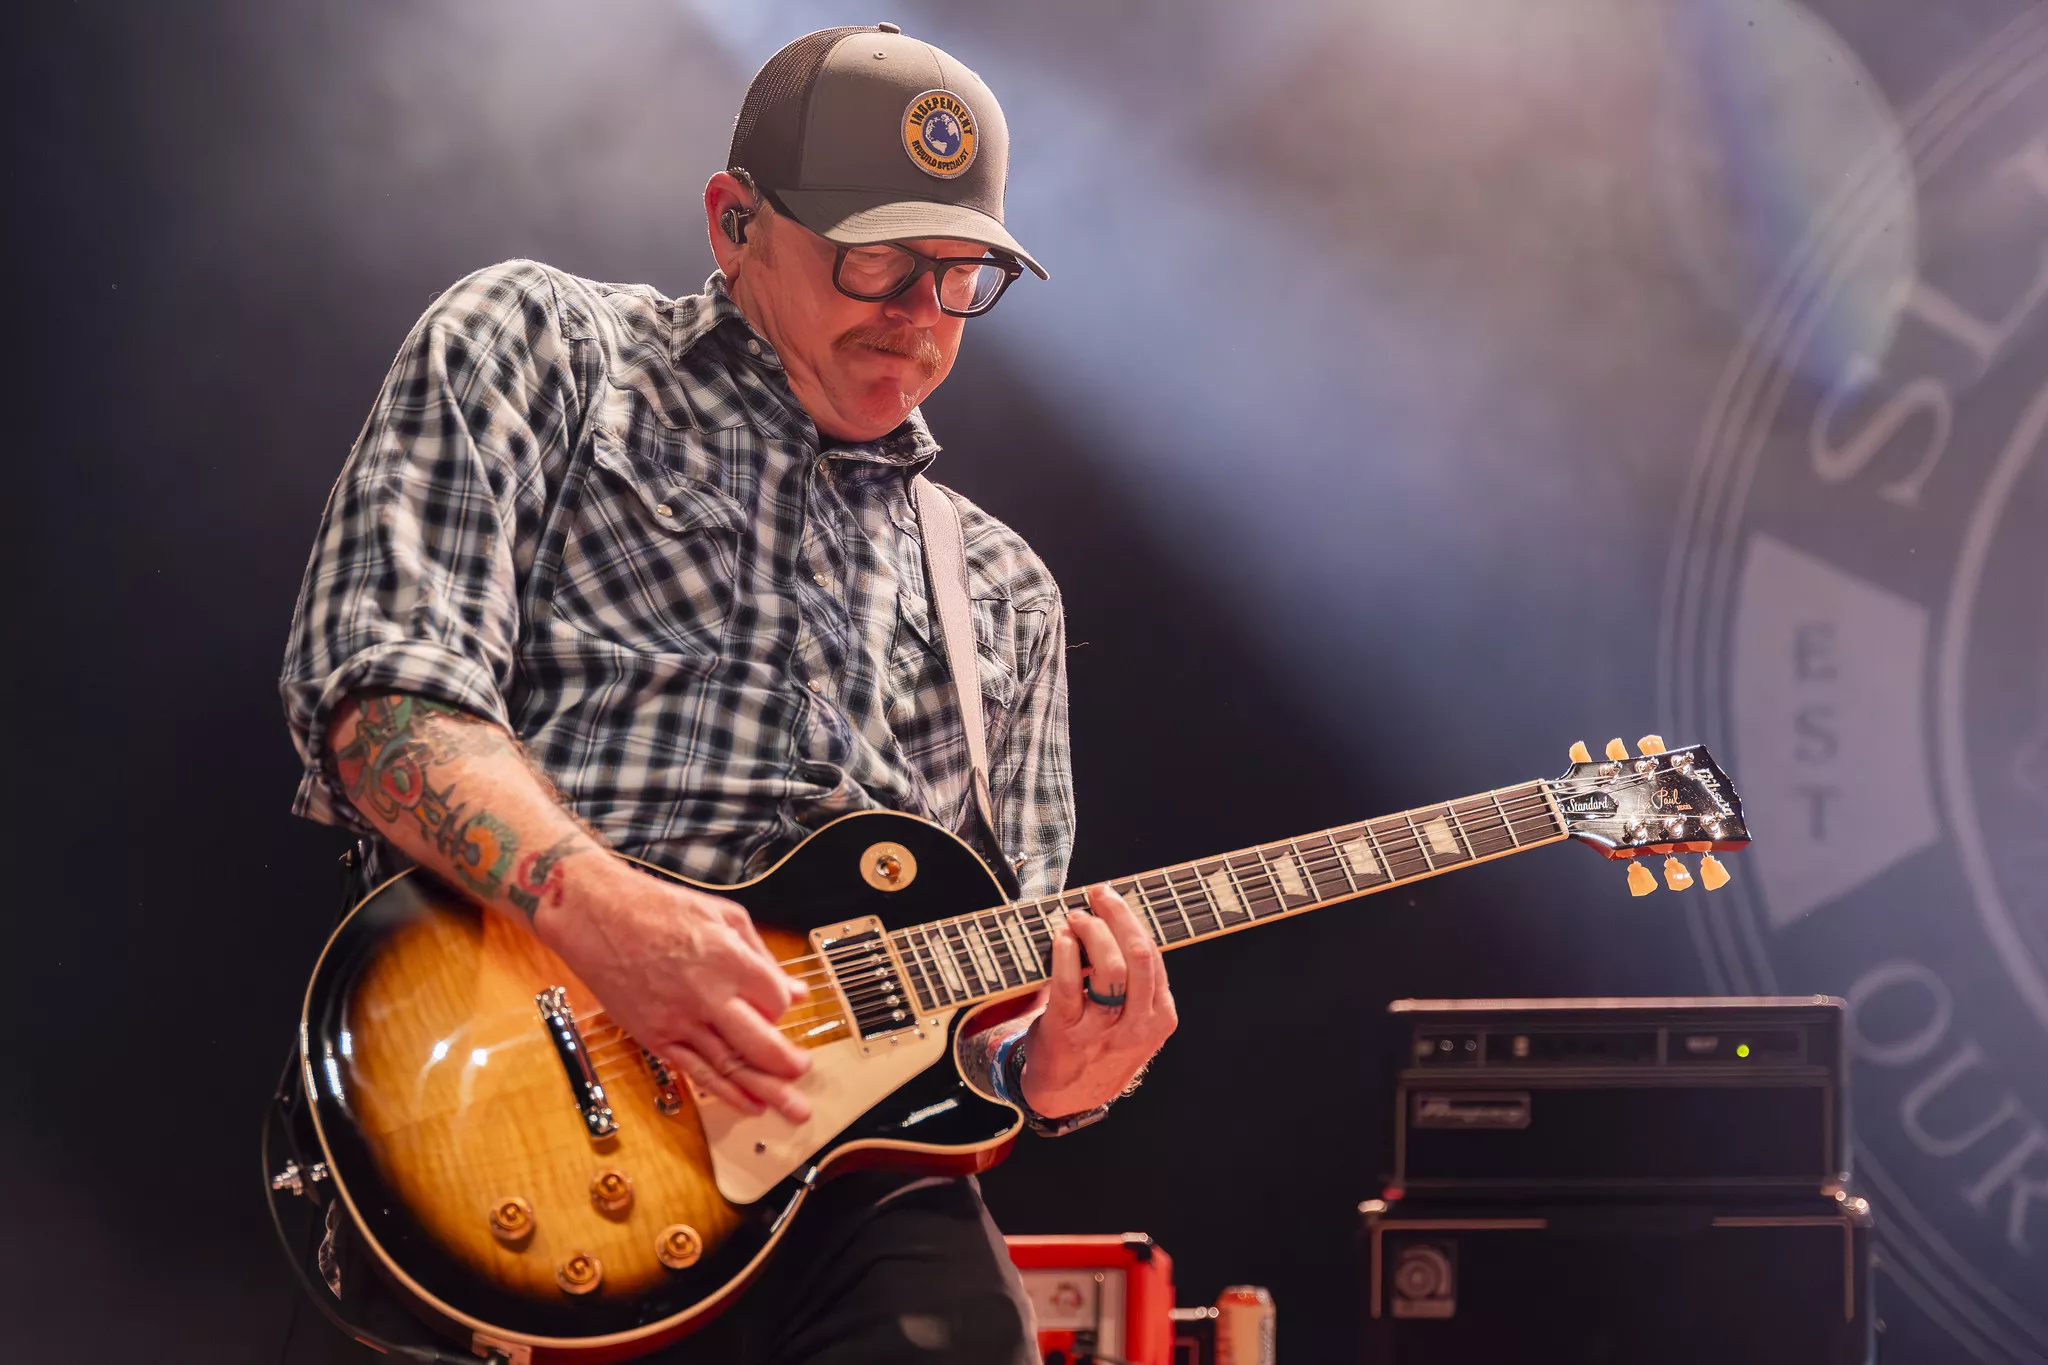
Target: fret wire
[(956, 944), (1165, 888), (1204, 907), (999, 936), (1272, 883), (1483, 819), (1342, 862), (1418, 840), (947, 970), (1244, 900), (1248, 891), (1300, 865), (1216, 897), (983, 967), (926, 999), (1147, 917), (1458, 834), (1179, 909), (908, 945), (1013, 941), (996, 951), (1380, 855), (1494, 796), (1394, 871), (1279, 888), (962, 972), (1374, 850), (1025, 943)]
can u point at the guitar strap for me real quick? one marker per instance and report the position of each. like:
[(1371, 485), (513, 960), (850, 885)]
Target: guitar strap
[(945, 559)]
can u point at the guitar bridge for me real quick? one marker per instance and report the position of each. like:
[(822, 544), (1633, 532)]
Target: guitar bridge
[(575, 1058), (869, 982)]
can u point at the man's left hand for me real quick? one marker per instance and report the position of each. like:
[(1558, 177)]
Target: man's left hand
[(1081, 1053)]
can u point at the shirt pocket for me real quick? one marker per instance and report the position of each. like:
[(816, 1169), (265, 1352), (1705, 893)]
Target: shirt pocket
[(649, 554), (919, 669)]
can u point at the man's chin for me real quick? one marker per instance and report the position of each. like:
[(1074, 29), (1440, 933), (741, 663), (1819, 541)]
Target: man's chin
[(879, 410)]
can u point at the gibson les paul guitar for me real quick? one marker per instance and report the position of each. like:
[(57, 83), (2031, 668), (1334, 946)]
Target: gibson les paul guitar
[(540, 1185)]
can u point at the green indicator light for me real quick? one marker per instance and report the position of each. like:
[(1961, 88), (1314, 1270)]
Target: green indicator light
[(1742, 1049)]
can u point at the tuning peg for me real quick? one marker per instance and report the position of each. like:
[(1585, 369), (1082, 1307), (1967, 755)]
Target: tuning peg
[(1675, 875), (1579, 753), (1650, 745), (1640, 882), (1616, 750), (1713, 876)]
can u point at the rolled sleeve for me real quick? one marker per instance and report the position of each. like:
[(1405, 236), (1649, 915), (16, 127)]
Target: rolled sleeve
[(413, 585)]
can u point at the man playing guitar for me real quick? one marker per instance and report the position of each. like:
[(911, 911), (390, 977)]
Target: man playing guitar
[(611, 571)]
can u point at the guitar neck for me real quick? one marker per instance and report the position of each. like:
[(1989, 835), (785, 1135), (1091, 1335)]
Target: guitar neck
[(971, 958)]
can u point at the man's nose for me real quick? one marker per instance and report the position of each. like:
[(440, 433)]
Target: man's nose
[(918, 305)]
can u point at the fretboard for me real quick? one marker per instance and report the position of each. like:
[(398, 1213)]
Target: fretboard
[(969, 958)]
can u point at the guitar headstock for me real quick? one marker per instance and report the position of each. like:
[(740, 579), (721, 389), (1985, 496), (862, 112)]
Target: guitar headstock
[(1653, 801)]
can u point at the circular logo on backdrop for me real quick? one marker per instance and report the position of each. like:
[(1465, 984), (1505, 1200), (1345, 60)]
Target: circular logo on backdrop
[(939, 133), (1857, 613)]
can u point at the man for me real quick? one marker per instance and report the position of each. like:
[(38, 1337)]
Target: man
[(606, 569)]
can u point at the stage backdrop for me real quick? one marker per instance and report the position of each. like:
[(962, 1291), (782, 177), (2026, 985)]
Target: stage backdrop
[(1419, 387)]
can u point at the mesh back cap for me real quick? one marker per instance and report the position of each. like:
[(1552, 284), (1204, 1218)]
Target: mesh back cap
[(866, 135)]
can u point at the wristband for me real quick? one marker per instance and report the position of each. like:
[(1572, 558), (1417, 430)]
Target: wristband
[(1009, 1069)]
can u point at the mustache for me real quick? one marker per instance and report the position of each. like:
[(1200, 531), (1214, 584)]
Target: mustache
[(917, 344)]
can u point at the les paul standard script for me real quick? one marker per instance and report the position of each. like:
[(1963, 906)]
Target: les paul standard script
[(540, 1186)]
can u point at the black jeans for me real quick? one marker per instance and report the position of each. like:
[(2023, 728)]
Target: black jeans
[(879, 1269)]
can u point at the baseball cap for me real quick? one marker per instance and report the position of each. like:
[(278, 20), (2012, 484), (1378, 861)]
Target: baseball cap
[(865, 135)]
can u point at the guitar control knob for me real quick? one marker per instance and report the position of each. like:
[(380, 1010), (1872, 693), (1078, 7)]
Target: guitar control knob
[(511, 1220), (611, 1191), (580, 1274), (678, 1246)]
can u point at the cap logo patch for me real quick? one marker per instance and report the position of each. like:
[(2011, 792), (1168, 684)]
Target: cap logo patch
[(939, 133)]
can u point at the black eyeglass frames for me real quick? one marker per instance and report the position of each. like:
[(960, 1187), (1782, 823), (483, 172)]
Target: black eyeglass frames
[(968, 286)]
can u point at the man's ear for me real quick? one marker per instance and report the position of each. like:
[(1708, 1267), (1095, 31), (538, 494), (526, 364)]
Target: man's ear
[(729, 208)]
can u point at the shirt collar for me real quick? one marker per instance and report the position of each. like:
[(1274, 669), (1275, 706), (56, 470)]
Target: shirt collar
[(697, 316)]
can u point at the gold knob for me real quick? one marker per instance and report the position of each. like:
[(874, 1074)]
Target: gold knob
[(611, 1191), (678, 1246), (887, 866), (580, 1274), (511, 1220)]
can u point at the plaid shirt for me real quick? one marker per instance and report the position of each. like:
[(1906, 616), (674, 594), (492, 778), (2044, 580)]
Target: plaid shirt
[(599, 518)]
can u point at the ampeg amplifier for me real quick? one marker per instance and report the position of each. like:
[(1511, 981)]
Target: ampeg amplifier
[(1107, 1297), (1680, 1097), (1607, 1283)]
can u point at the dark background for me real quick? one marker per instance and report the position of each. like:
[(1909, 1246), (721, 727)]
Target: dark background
[(1352, 421)]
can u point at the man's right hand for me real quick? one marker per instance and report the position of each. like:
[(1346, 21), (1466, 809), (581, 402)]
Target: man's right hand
[(687, 975)]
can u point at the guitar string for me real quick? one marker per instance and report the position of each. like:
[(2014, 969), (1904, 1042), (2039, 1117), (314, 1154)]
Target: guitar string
[(1398, 845), (821, 1009)]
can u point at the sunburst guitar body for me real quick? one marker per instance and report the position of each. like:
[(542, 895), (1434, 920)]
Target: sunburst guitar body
[(458, 1125)]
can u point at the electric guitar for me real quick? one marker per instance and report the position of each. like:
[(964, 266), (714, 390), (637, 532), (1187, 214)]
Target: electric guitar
[(543, 1187)]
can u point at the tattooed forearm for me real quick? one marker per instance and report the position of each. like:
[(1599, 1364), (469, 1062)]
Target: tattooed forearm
[(398, 767)]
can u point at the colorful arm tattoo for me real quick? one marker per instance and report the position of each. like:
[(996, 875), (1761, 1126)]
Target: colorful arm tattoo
[(386, 768)]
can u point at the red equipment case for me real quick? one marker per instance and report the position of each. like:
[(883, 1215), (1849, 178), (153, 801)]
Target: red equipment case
[(1108, 1295)]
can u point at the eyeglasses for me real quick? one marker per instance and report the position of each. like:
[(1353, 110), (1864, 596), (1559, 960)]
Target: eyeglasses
[(968, 286)]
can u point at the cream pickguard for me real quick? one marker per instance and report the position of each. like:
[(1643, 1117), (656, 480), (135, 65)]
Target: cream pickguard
[(752, 1153)]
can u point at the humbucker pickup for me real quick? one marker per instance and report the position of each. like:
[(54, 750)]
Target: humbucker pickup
[(868, 979)]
